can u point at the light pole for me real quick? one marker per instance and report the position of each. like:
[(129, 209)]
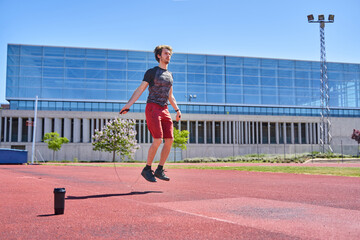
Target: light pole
[(34, 131), (325, 124)]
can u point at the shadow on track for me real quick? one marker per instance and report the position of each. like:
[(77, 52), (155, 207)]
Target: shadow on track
[(101, 196), (48, 215), (110, 195)]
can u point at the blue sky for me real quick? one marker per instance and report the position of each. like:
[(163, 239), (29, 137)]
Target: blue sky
[(257, 28)]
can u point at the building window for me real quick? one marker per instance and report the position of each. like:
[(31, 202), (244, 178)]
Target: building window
[(81, 129), (265, 138), (201, 132), (53, 125), (273, 133), (192, 132), (137, 126), (176, 124), (288, 133), (251, 134), (296, 133), (217, 133), (62, 122), (209, 138), (303, 133), (224, 135), (14, 130), (24, 131), (183, 125), (281, 132), (42, 120), (72, 130)]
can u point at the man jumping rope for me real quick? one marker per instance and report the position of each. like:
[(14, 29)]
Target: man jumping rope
[(158, 118)]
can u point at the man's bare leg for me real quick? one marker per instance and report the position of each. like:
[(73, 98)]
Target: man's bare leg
[(166, 150), (152, 150)]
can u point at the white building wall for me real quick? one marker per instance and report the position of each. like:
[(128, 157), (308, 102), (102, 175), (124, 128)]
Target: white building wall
[(86, 130), (58, 125), (19, 133), (77, 130), (67, 128), (341, 130), (47, 125), (39, 125)]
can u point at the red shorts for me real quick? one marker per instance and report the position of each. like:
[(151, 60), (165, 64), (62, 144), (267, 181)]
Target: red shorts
[(159, 121)]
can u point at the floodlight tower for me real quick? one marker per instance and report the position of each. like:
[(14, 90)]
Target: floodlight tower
[(325, 124)]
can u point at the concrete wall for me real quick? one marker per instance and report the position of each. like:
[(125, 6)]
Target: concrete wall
[(84, 152)]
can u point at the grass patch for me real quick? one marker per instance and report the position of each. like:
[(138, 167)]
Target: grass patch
[(270, 158), (309, 170), (94, 164), (333, 171)]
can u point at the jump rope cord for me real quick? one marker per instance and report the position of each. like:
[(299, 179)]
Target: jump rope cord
[(127, 185)]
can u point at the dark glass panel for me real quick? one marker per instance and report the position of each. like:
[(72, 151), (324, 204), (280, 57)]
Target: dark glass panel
[(75, 52), (31, 50), (54, 51), (13, 49), (117, 54), (198, 59)]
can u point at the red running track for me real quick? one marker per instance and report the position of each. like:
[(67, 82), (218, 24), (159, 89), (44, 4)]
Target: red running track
[(195, 204)]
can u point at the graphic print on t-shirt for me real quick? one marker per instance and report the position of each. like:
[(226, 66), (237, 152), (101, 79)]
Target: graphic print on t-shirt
[(160, 81)]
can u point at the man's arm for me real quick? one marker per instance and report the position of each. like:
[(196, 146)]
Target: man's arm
[(174, 105), (137, 93)]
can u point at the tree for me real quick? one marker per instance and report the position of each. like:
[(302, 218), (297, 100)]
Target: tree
[(54, 141), (180, 140), (117, 136)]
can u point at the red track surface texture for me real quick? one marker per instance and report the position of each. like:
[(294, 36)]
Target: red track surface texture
[(195, 204)]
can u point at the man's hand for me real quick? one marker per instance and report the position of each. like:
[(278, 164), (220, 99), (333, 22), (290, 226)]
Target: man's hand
[(124, 110), (178, 115)]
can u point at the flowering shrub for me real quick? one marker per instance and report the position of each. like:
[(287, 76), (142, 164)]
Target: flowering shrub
[(117, 136), (356, 135)]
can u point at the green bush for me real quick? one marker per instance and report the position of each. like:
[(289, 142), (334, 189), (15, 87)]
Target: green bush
[(255, 158)]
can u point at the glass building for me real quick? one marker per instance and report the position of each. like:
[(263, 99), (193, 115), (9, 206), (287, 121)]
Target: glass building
[(84, 79), (231, 105)]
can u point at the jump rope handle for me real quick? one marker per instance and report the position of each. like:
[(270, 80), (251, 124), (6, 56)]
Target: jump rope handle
[(127, 110), (124, 111)]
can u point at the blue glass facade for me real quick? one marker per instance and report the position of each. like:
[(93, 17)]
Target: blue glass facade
[(83, 79)]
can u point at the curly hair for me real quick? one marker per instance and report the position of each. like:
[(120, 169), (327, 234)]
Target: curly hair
[(158, 51)]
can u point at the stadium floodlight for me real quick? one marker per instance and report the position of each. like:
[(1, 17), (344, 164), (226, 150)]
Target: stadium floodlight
[(325, 122), (310, 18)]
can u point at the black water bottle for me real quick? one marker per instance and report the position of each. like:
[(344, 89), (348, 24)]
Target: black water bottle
[(59, 200)]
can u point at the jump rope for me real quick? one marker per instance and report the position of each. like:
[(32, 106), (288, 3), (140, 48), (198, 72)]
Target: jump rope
[(124, 111), (131, 187)]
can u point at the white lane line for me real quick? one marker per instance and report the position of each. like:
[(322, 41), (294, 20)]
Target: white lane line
[(204, 216)]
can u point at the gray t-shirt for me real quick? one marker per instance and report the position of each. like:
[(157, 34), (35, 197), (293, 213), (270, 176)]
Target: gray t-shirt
[(160, 81)]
